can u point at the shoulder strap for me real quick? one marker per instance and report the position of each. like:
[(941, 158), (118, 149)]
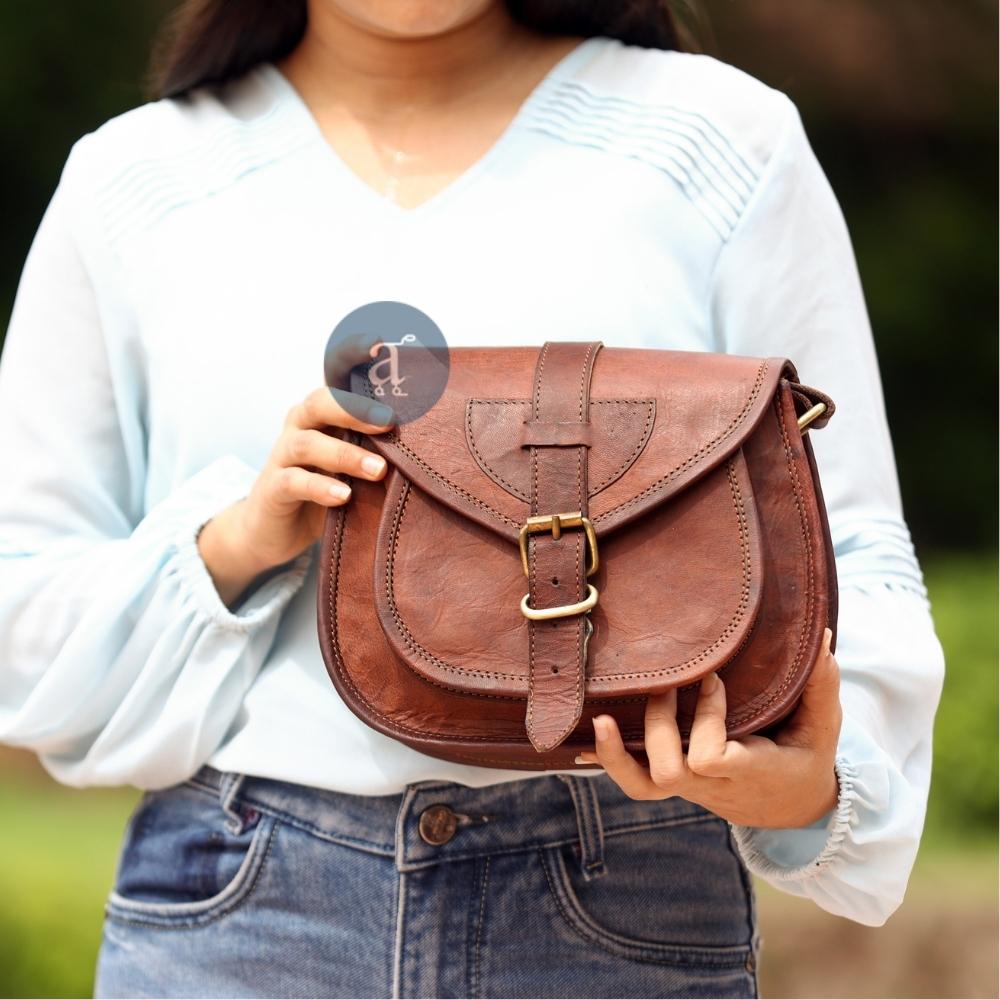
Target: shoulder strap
[(558, 541)]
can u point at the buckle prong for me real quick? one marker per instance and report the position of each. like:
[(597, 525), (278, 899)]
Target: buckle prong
[(555, 523)]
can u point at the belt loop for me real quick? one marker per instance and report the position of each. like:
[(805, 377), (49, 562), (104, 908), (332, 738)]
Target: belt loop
[(588, 822), (229, 788)]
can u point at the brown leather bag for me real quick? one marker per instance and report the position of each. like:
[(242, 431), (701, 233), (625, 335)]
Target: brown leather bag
[(570, 529)]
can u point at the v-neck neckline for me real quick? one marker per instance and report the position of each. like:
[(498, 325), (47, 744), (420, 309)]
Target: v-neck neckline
[(303, 116)]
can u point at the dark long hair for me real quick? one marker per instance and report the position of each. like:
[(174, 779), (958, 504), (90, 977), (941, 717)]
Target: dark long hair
[(211, 41)]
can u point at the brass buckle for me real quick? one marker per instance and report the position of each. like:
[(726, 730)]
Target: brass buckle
[(555, 523), (810, 415)]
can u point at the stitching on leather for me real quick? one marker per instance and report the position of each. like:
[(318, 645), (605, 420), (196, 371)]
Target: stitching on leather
[(399, 727), (447, 482), (394, 440), (578, 703), (584, 377), (615, 474), (585, 369), (531, 625), (341, 666), (636, 451), (710, 446), (779, 405), (581, 496), (743, 521), (471, 438), (538, 380), (389, 721), (402, 629)]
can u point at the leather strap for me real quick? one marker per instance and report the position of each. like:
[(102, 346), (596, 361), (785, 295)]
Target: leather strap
[(557, 567), (539, 432)]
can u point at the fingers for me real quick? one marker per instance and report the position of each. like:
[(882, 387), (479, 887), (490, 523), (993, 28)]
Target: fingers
[(331, 454), (295, 485), (817, 719), (825, 677), (663, 740), (710, 751), (822, 690), (622, 767), (344, 353), (711, 759), (707, 743), (334, 407)]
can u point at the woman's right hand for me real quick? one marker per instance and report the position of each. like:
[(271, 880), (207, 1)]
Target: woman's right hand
[(286, 508)]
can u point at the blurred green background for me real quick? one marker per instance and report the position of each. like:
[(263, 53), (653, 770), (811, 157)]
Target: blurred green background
[(899, 99)]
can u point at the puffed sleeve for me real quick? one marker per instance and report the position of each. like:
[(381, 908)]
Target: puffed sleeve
[(786, 284), (119, 662)]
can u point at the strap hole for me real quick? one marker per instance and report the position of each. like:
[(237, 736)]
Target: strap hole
[(555, 581), (555, 670)]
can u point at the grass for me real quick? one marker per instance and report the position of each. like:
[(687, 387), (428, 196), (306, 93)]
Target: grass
[(59, 848)]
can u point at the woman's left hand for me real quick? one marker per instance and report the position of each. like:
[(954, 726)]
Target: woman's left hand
[(754, 781)]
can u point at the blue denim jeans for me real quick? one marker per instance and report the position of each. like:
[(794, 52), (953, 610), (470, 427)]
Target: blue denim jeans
[(555, 886)]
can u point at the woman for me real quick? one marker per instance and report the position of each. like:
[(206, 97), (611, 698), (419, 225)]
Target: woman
[(519, 172)]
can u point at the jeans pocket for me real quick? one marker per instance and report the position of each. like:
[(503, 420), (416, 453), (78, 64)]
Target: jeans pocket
[(671, 894), (182, 864)]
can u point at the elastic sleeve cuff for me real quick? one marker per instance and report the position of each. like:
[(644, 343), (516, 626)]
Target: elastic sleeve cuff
[(796, 855), (262, 604), (216, 487)]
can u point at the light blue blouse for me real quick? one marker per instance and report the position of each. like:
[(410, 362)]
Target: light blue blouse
[(175, 304)]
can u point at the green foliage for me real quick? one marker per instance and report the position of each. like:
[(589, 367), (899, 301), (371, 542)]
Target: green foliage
[(963, 802), (59, 848), (922, 215)]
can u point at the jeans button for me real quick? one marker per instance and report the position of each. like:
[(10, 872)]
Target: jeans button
[(437, 825)]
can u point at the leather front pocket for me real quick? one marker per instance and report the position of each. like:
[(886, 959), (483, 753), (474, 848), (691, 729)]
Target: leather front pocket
[(448, 590)]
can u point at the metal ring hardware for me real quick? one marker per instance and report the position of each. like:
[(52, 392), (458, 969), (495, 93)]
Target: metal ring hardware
[(563, 611), (810, 415)]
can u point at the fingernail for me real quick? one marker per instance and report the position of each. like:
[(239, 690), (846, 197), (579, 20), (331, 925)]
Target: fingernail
[(710, 684), (340, 490), (827, 638), (601, 728), (372, 464), (580, 760), (379, 413)]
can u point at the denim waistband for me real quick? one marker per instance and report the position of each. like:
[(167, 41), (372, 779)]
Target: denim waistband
[(434, 822)]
